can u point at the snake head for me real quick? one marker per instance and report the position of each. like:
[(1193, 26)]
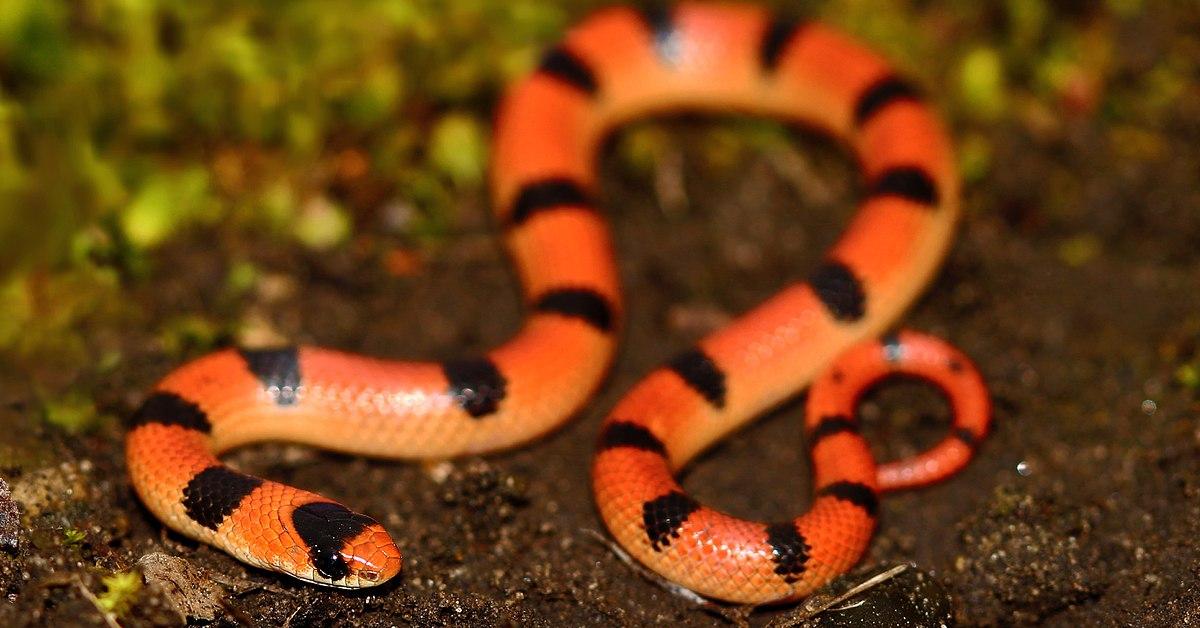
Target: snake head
[(345, 549)]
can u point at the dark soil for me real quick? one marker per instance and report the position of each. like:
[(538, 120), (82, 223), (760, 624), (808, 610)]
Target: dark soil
[(1082, 508)]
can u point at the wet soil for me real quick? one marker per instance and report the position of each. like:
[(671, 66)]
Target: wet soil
[(1082, 508)]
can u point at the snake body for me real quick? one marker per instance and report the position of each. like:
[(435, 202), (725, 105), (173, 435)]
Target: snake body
[(616, 65)]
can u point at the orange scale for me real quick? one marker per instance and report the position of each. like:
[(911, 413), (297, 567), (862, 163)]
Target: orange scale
[(944, 459), (212, 380), (545, 128), (567, 247), (640, 476), (766, 351), (372, 555), (345, 371), (831, 71), (255, 508), (167, 456), (719, 41), (906, 133), (881, 237), (837, 532), (579, 349), (677, 413), (616, 46), (843, 457)]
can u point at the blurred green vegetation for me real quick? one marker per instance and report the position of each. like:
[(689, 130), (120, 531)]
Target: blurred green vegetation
[(121, 120), (124, 123)]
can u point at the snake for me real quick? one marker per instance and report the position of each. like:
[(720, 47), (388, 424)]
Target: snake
[(829, 329)]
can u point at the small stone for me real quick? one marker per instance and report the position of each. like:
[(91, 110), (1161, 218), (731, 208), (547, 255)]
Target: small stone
[(191, 590)]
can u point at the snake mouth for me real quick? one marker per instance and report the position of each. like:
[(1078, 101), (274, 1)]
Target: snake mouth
[(361, 572), (370, 576), (372, 558)]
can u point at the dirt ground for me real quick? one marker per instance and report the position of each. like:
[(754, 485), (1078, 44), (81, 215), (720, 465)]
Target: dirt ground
[(1082, 508)]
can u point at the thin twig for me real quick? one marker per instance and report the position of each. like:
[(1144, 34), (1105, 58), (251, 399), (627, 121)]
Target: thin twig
[(669, 185), (109, 618), (736, 615), (818, 603)]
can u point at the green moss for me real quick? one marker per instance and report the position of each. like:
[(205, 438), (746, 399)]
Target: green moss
[(458, 149), (43, 320), (188, 334), (120, 592), (36, 39), (981, 83), (322, 224), (434, 204), (1080, 249), (974, 157), (15, 310), (165, 203), (889, 25), (74, 412), (1027, 22), (242, 277), (642, 146), (1188, 376)]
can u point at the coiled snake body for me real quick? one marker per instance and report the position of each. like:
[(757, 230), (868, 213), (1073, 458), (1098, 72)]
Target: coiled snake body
[(616, 65)]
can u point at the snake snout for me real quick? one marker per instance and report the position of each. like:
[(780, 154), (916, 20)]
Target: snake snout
[(372, 557), (347, 549)]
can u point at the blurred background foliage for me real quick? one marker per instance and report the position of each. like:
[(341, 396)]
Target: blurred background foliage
[(124, 123)]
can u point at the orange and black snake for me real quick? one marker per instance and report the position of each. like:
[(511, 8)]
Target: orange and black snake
[(616, 65)]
